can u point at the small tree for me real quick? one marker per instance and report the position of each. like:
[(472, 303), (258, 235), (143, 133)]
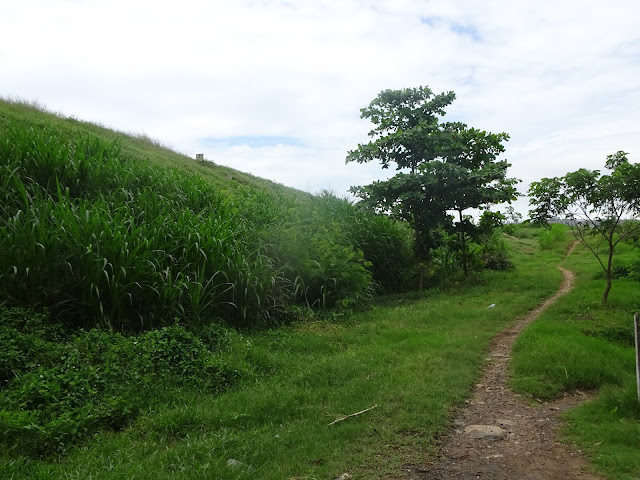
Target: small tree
[(441, 166), (600, 208), (511, 216)]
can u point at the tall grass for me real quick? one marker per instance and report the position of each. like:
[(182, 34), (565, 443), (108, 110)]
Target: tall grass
[(555, 236), (98, 237), (336, 255), (416, 360)]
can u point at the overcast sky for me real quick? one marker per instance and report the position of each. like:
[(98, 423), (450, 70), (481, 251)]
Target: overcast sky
[(274, 88)]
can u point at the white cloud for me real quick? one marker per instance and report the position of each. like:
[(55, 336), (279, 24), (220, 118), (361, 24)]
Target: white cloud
[(559, 77)]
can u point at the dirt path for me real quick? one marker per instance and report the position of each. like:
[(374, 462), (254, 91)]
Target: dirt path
[(523, 446)]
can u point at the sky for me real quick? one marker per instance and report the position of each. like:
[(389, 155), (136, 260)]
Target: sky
[(275, 88)]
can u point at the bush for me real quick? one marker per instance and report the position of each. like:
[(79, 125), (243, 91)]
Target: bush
[(388, 246), (322, 271), (27, 340), (553, 236), (494, 254), (333, 254), (99, 381)]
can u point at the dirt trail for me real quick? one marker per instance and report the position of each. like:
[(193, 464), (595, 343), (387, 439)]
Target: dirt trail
[(524, 445)]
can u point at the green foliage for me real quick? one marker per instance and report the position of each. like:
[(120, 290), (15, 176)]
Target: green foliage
[(317, 259), (495, 254), (334, 254), (484, 248), (552, 236), (511, 216), (27, 340), (442, 166), (416, 358), (388, 246), (97, 236), (599, 207), (96, 380)]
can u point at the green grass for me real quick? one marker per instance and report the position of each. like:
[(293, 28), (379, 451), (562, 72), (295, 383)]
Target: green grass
[(608, 430), (579, 344), (140, 146), (552, 236), (118, 227), (415, 359), (99, 232)]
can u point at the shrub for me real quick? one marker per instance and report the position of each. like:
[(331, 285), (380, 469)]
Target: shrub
[(27, 341), (388, 246), (99, 380), (494, 254), (553, 236), (334, 254)]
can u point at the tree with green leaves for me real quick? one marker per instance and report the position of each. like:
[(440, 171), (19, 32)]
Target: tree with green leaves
[(442, 166), (602, 209)]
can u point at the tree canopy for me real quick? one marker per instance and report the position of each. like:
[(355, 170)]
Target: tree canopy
[(442, 166), (601, 208)]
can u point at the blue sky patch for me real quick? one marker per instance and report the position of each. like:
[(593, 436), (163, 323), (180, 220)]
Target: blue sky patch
[(431, 21), (253, 142), (469, 30), (457, 28)]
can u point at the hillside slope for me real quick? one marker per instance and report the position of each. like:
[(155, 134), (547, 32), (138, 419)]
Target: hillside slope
[(102, 228), (140, 146)]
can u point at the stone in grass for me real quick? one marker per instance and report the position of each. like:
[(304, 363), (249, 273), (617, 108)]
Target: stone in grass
[(485, 432), (235, 464)]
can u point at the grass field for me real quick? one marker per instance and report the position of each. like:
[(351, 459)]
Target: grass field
[(579, 344), (107, 229), (414, 359)]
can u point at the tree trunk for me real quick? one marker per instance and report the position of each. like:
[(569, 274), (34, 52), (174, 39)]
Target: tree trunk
[(607, 289), (607, 272), (421, 270), (463, 240)]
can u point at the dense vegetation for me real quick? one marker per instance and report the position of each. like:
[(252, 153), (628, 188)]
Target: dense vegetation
[(442, 167), (99, 237), (597, 205), (152, 262), (135, 285), (415, 356)]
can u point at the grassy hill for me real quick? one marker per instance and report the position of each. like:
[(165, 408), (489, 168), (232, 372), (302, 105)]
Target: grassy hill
[(139, 146), (135, 285), (102, 228), (125, 266)]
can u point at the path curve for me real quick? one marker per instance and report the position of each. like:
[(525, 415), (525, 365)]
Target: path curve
[(528, 450)]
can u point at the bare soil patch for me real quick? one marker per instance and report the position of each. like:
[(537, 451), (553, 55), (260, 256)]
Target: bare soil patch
[(521, 441)]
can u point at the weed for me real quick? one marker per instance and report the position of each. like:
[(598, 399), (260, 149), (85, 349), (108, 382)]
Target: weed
[(553, 236), (98, 381)]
